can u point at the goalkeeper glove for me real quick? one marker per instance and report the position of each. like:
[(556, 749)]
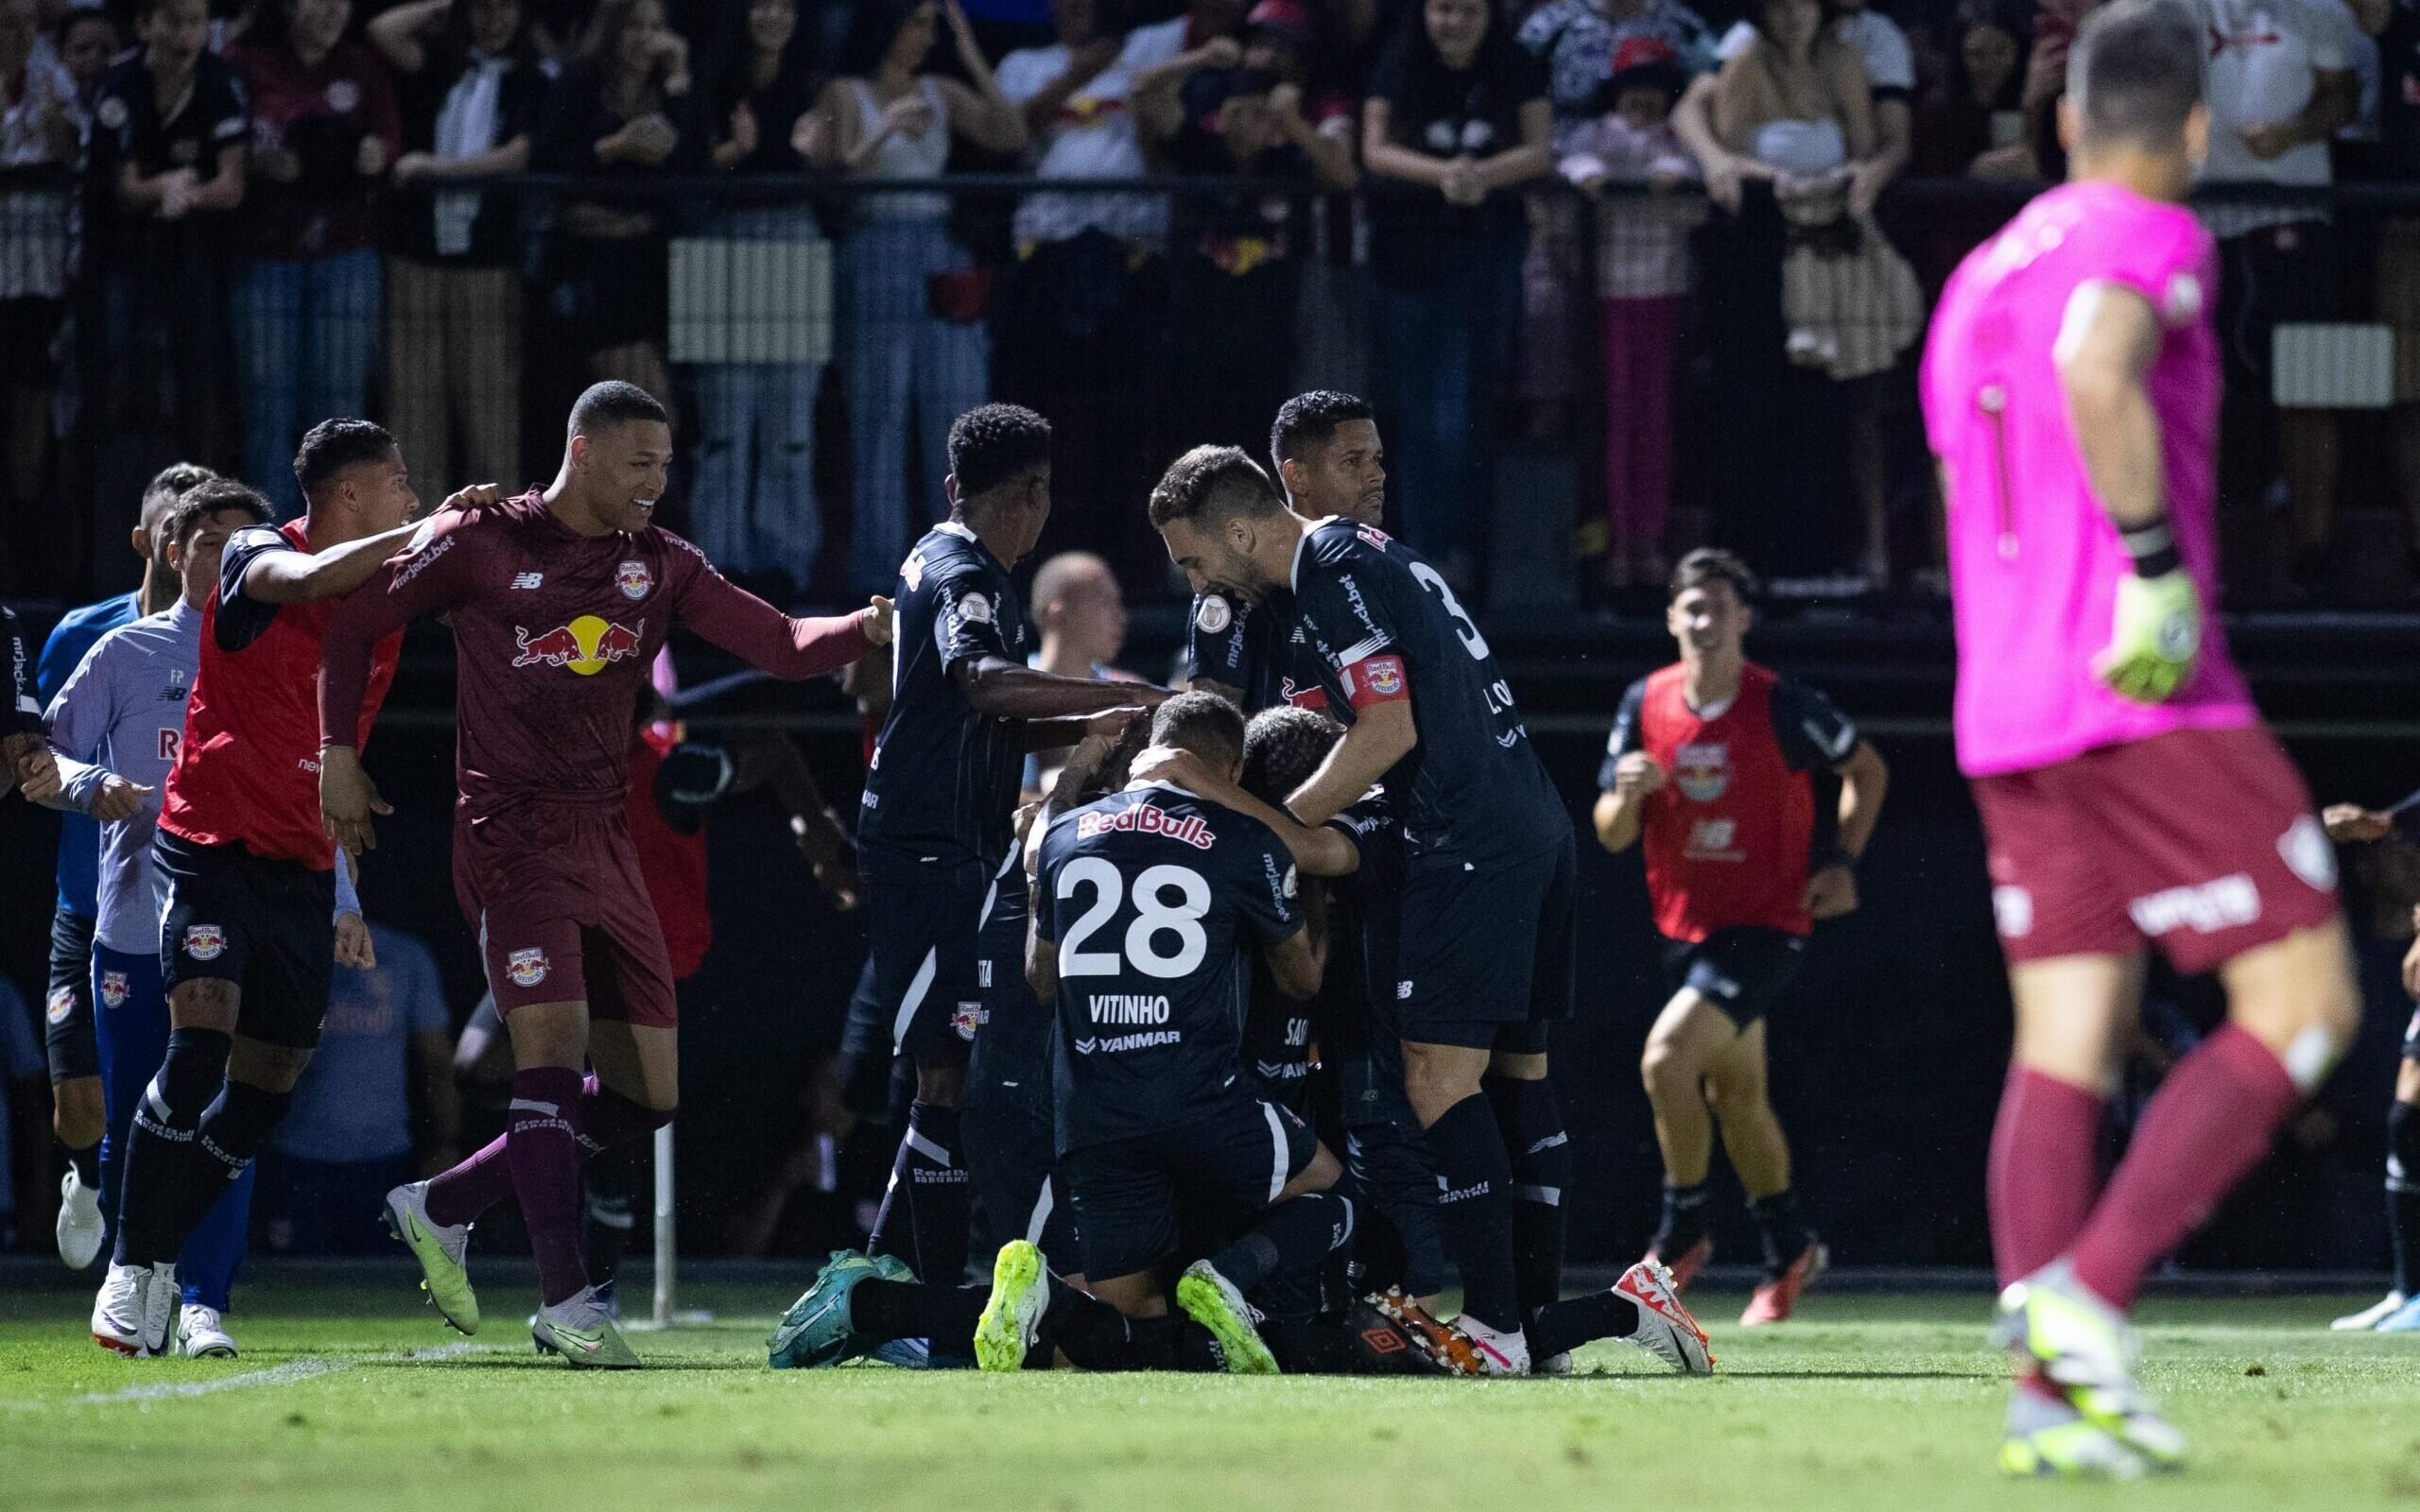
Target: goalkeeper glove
[(2154, 636)]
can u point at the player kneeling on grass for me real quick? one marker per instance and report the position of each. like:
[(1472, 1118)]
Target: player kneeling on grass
[(1142, 902)]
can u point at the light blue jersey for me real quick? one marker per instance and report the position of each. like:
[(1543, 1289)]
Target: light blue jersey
[(123, 712)]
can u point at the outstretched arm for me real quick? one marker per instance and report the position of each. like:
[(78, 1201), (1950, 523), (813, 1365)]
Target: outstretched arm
[(1008, 690), (763, 636)]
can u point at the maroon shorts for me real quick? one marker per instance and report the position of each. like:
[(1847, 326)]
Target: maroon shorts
[(562, 914), (2200, 841)]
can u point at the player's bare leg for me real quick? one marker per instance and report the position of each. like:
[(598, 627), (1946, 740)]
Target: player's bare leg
[(1737, 1090), (2292, 1009), (1687, 1038), (1475, 1204), (2396, 1313), (78, 1120)]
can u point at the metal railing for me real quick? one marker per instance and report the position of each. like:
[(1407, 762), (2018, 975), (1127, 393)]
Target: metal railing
[(1566, 382)]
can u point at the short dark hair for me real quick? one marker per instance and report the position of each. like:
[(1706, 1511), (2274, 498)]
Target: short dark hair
[(332, 445), (214, 496), (602, 406), (1202, 723), (167, 486), (1283, 746), (1309, 421), (1711, 565), (2135, 73), (1092, 774), (1210, 483), (991, 444)]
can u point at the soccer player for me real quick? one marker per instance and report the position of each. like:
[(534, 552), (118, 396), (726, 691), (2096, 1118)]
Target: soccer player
[(1329, 461), (558, 599), (25, 756), (1143, 903), (941, 798), (2397, 1311), (1708, 763), (2130, 797), (248, 936), (79, 1116), (116, 727), (1485, 919)]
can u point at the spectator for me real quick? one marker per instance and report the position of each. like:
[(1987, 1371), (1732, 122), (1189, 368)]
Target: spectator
[(755, 508), (469, 91), (619, 110), (1642, 291), (1578, 39), (1458, 108), (42, 125), (2397, 24), (916, 301), (2280, 84), (1081, 311), (167, 164), (1974, 125), (1081, 614), (306, 302), (1236, 256), (348, 1136), (87, 40)]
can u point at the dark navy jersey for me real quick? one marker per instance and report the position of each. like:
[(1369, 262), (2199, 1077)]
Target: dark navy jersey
[(1259, 650), (1386, 628), (1009, 1064), (1149, 896), (944, 778)]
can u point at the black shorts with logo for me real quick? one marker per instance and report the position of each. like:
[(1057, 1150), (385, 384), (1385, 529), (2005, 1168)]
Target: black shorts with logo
[(1483, 950), (1743, 972), (268, 925), (67, 1033), (1009, 1160), (921, 918), (1125, 1191)]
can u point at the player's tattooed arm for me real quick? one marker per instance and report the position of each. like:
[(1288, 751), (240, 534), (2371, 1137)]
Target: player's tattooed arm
[(1382, 734)]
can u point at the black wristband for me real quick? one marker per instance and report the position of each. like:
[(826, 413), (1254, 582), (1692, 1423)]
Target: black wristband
[(1834, 855), (2154, 548)]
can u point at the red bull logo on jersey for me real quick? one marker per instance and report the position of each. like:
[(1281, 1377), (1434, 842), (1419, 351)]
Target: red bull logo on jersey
[(1703, 770), (61, 1004), (205, 942), (633, 579), (1146, 818), (114, 988), (527, 967), (587, 646)]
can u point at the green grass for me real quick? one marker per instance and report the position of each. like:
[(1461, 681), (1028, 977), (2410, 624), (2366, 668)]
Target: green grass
[(1866, 1404)]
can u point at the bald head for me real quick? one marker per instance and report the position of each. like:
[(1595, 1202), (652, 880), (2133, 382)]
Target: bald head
[(1079, 608)]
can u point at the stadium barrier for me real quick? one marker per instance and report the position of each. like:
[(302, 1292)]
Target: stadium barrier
[(1556, 373)]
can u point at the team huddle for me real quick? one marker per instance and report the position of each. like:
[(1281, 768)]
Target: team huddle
[(1238, 1035)]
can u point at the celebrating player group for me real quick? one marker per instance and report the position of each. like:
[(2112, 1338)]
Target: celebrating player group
[(1238, 1038)]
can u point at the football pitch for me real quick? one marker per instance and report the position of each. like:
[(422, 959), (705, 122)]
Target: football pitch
[(350, 1396)]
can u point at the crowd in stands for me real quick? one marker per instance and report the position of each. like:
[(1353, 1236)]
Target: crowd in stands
[(1657, 244)]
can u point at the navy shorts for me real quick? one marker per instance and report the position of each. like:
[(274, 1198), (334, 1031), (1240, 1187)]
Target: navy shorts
[(266, 924), (1484, 953), (67, 1037), (921, 918), (2412, 1037), (1008, 1159), (1125, 1191), (1743, 972)]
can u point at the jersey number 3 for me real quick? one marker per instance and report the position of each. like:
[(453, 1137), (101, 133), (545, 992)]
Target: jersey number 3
[(1464, 630), (1154, 917)]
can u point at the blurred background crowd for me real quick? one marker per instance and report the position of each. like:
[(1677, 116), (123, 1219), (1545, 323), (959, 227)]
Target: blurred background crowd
[(1624, 277)]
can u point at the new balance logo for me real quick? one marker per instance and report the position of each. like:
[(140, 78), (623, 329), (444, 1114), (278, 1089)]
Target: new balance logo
[(527, 579)]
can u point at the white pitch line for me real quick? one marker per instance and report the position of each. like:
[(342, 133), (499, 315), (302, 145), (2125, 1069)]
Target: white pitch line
[(283, 1375)]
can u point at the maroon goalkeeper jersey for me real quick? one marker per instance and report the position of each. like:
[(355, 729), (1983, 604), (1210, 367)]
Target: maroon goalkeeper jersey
[(553, 634)]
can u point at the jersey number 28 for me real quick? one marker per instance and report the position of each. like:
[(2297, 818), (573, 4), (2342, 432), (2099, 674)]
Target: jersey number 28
[(1155, 917)]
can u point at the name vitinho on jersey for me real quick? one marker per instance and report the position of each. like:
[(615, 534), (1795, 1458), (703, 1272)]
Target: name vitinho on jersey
[(1146, 818), (1119, 1007)]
